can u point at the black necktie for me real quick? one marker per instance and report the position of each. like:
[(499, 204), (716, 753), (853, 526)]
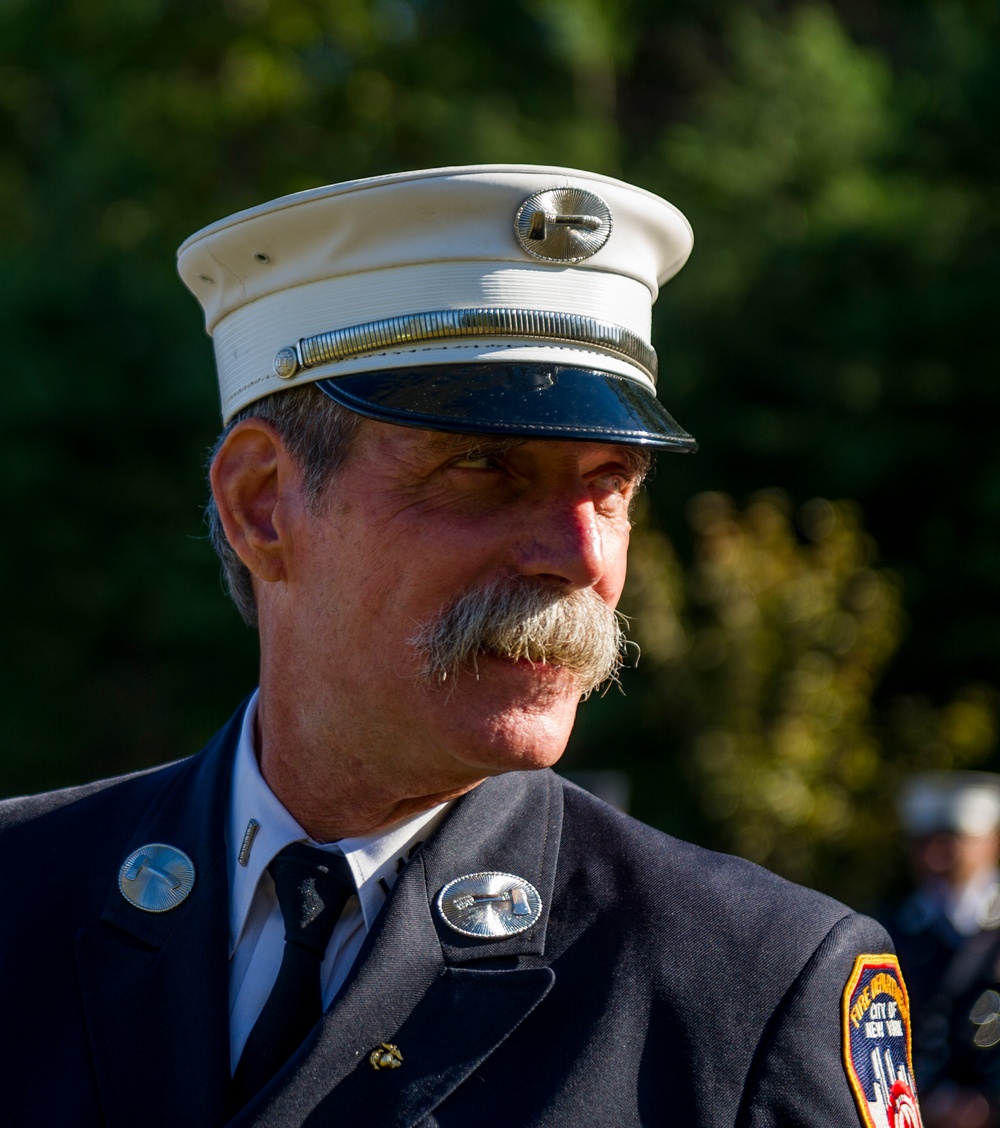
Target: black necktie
[(313, 887)]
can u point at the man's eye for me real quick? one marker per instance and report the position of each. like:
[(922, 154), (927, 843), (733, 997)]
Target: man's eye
[(477, 462), (614, 483)]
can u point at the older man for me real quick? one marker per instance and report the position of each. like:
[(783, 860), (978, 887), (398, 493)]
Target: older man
[(367, 901)]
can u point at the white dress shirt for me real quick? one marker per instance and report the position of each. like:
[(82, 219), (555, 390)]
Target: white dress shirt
[(256, 928), (973, 906)]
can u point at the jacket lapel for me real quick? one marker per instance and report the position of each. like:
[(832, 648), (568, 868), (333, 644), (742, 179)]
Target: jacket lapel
[(172, 965), (446, 1001)]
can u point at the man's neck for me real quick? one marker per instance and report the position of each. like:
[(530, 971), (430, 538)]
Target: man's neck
[(334, 793)]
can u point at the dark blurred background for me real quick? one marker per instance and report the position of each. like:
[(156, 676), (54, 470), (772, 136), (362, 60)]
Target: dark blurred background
[(816, 593)]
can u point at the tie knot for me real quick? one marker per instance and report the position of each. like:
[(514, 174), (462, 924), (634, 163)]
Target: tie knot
[(312, 887)]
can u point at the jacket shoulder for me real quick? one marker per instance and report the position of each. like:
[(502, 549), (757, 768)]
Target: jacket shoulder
[(21, 810), (107, 805), (688, 892)]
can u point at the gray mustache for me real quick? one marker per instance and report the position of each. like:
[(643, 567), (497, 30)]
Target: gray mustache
[(521, 618)]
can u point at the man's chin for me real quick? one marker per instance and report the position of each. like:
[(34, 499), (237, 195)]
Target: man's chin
[(501, 715), (500, 757), (511, 717)]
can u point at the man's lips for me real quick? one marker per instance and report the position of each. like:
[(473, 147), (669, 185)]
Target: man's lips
[(541, 665)]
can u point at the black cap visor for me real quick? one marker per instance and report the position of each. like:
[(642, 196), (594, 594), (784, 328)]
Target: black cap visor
[(538, 400)]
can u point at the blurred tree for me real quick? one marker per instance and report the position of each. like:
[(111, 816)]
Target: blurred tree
[(762, 658), (831, 333)]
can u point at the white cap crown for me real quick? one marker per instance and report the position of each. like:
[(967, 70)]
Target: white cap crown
[(482, 264)]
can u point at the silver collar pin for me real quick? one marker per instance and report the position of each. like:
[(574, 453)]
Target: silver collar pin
[(248, 836), (156, 878), (489, 906)]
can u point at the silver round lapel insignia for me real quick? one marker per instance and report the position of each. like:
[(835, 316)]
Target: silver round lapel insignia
[(489, 906), (156, 878)]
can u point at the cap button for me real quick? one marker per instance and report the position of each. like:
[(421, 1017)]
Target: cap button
[(286, 362)]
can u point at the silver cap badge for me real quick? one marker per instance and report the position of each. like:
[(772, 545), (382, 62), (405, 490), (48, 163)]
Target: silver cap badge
[(156, 878), (563, 224), (489, 906)]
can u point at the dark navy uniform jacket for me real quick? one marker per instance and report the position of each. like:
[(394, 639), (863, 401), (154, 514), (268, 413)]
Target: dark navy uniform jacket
[(663, 984)]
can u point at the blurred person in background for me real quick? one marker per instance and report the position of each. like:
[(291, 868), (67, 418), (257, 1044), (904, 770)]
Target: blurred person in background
[(947, 935)]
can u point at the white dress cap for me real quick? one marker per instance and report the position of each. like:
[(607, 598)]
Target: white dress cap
[(451, 273), (953, 802)]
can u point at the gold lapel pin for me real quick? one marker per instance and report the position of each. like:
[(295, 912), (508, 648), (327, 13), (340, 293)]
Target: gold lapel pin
[(385, 1056)]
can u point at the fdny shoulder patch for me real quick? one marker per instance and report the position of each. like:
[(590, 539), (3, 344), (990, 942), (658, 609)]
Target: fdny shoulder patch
[(877, 1052)]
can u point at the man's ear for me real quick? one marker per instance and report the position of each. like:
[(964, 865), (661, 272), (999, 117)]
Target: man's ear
[(255, 481)]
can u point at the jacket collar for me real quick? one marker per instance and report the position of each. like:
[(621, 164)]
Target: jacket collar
[(444, 1000), (170, 964)]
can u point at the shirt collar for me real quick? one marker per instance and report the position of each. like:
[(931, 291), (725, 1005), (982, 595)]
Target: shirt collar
[(260, 827)]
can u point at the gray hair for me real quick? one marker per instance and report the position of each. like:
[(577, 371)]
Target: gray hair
[(318, 434)]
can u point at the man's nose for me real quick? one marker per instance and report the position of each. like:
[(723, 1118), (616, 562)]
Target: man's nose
[(563, 542)]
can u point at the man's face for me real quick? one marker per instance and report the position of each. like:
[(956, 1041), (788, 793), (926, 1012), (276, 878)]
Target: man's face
[(413, 520), (955, 858)]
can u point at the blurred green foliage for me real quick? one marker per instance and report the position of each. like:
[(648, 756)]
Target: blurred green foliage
[(834, 335), (762, 658)]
